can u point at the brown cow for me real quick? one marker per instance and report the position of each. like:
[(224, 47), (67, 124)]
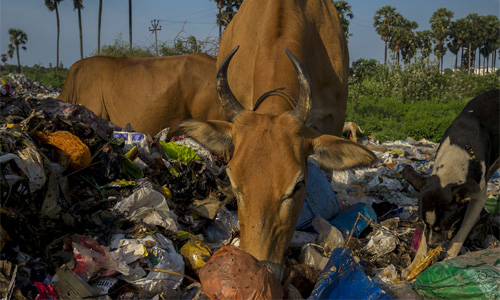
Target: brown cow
[(150, 93), (268, 167)]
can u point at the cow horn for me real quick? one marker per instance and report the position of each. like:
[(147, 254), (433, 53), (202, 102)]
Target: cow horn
[(301, 111), (229, 102)]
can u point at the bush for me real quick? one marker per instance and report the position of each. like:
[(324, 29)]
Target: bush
[(392, 102), (120, 48)]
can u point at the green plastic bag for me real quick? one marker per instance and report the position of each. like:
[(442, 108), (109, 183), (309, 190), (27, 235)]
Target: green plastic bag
[(179, 152), (474, 275)]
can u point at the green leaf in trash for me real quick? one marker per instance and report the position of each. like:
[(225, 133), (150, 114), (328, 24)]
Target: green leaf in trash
[(492, 204), (179, 152), (130, 168)]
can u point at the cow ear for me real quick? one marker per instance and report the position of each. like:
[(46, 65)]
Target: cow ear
[(214, 135), (462, 193), (334, 153), (416, 180)]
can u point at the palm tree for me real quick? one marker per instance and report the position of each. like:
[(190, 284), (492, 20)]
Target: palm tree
[(424, 43), (225, 16), (403, 38), (17, 38), (344, 11), (491, 38), (459, 33), (440, 25), (471, 37), (384, 20), (99, 29), (52, 6), (78, 4), (130, 22)]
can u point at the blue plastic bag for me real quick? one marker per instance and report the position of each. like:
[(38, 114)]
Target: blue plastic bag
[(345, 219), (320, 200), (343, 278)]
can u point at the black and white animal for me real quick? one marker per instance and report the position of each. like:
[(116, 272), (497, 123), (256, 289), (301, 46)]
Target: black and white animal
[(452, 197)]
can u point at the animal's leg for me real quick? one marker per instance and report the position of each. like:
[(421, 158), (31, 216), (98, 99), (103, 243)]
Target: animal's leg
[(471, 216), (421, 252)]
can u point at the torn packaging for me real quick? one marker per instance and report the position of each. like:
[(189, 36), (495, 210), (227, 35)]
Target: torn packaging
[(451, 199)]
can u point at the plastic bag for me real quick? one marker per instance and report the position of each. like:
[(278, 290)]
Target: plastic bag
[(196, 254), (222, 226), (343, 278), (474, 275), (179, 152), (148, 206), (232, 273), (329, 236), (346, 219), (320, 201)]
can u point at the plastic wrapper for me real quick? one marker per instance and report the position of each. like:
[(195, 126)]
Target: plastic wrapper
[(77, 152), (312, 255), (148, 206), (320, 201), (329, 236), (180, 152), (346, 219), (344, 278), (232, 273), (196, 253), (30, 163), (423, 262), (381, 243), (474, 275), (161, 257), (46, 292), (104, 284), (90, 257), (222, 226)]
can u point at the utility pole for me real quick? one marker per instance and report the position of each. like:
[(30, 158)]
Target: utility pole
[(155, 28)]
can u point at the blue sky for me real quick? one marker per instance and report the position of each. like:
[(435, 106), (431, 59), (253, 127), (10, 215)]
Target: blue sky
[(40, 25)]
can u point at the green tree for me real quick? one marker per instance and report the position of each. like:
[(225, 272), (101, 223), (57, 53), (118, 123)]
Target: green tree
[(384, 21), (440, 25), (130, 22), (52, 5), (491, 38), (344, 11), (459, 34), (227, 10), (120, 48), (473, 28), (424, 43), (403, 38), (18, 38), (187, 46), (4, 58), (78, 5)]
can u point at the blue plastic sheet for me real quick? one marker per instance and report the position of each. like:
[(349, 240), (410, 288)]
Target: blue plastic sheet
[(343, 278), (345, 219), (321, 199)]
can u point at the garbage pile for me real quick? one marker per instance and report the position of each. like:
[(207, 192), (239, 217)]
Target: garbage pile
[(23, 87), (89, 209)]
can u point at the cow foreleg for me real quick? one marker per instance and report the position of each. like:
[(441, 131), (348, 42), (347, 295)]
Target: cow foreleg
[(471, 217)]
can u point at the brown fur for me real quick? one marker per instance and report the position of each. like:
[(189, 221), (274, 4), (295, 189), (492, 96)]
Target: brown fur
[(150, 93), (312, 32)]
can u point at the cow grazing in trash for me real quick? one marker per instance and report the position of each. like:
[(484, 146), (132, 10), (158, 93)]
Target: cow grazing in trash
[(451, 199), (150, 93), (271, 133)]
